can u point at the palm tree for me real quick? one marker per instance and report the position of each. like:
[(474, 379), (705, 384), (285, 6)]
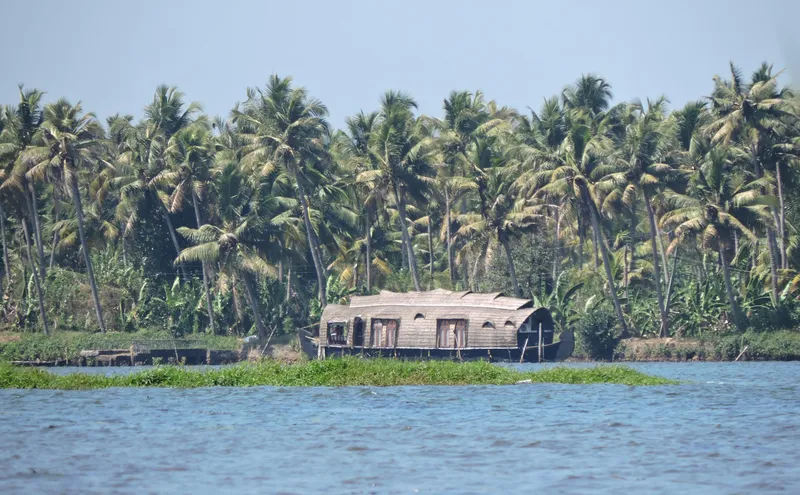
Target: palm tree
[(70, 142), (723, 203), (237, 245), (754, 114), (190, 153), (357, 159), (642, 155), (502, 216), (22, 122), (139, 180), (575, 171), (590, 93), (287, 129), (403, 158)]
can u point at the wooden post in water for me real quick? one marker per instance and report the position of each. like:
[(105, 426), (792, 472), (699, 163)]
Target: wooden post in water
[(522, 356), (541, 351)]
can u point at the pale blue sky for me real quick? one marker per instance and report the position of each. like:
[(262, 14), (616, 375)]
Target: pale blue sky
[(112, 54)]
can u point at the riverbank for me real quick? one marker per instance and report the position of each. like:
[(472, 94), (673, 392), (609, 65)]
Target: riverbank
[(749, 346), (65, 348), (329, 373)]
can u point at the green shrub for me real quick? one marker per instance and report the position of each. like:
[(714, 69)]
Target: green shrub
[(597, 333)]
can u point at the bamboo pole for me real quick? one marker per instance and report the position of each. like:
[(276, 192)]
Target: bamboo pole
[(541, 353), (524, 347)]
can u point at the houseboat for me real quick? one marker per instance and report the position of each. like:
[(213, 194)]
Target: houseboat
[(439, 324)]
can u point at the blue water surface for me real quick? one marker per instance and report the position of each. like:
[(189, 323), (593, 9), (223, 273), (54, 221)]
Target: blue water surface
[(729, 428)]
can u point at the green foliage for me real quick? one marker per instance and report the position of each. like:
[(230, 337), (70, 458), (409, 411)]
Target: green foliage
[(329, 373), (580, 204), (597, 333), (774, 346)]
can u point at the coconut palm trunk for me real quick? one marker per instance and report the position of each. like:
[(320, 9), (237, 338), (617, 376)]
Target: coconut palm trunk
[(726, 273), (76, 198), (781, 218), (412, 260), (36, 280), (172, 235), (581, 239), (37, 229), (56, 233), (656, 267), (368, 261), (451, 266), (252, 299), (6, 264), (430, 250), (313, 246), (612, 288), (206, 288), (503, 238), (289, 284), (773, 264), (772, 245)]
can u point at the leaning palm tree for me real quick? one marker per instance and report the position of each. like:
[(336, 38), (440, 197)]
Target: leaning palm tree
[(573, 173), (71, 140), (229, 248), (723, 203)]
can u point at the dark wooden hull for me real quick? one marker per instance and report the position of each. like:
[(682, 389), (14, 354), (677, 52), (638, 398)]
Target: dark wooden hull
[(557, 351)]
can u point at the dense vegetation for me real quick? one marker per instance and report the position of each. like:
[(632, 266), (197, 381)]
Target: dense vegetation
[(652, 222), (330, 373)]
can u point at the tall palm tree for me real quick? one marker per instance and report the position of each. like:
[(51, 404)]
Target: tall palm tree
[(287, 130), (190, 152), (403, 158), (22, 123), (753, 114), (140, 180), (358, 159), (71, 140), (574, 171), (723, 203), (644, 173)]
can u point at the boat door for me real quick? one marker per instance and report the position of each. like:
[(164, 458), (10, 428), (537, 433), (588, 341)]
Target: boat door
[(358, 332)]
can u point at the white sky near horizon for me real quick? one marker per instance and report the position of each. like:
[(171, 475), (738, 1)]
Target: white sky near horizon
[(111, 55)]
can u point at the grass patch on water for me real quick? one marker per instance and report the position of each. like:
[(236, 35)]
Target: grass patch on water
[(330, 373)]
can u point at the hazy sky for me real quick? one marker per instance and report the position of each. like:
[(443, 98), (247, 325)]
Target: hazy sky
[(112, 54)]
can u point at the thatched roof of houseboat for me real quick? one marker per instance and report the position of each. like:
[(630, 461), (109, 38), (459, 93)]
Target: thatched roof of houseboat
[(489, 310)]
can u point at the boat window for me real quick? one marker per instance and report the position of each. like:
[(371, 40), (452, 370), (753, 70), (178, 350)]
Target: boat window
[(451, 334), (337, 332), (384, 332), (510, 323), (488, 324), (419, 316)]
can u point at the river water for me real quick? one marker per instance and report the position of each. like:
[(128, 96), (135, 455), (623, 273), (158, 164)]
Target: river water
[(730, 428)]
